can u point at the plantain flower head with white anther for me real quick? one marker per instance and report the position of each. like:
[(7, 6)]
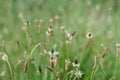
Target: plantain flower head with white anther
[(89, 35), (75, 63), (69, 36), (50, 31), (62, 28), (118, 49), (78, 73), (67, 63), (53, 58), (3, 56), (53, 53)]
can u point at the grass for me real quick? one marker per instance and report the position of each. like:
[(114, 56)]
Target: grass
[(23, 27)]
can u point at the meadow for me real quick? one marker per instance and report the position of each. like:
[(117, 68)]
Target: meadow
[(59, 39)]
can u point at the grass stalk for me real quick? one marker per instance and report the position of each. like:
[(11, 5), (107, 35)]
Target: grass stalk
[(11, 72)]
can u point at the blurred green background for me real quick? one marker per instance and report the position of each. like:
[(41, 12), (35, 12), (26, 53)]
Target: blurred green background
[(75, 13)]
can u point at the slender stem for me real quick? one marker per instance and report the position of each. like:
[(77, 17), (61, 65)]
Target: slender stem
[(75, 77), (50, 41), (55, 74), (116, 62), (27, 38), (91, 77), (34, 49), (68, 51), (51, 76), (45, 75), (102, 70), (10, 69), (53, 40), (98, 62), (66, 75)]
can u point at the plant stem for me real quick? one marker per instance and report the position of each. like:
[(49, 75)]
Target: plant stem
[(91, 77), (116, 62), (10, 69), (68, 51), (27, 38), (34, 49)]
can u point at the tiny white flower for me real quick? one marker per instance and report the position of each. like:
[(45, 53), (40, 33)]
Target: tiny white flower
[(69, 37)]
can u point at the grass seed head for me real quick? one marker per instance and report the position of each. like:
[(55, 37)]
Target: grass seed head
[(52, 62), (62, 28), (35, 23), (25, 66), (53, 58), (24, 28), (45, 51), (41, 22), (57, 18), (118, 49), (51, 21), (56, 60), (3, 45), (106, 50), (69, 37), (50, 31), (40, 69), (18, 44), (27, 24), (40, 26), (75, 63), (89, 36), (5, 57), (53, 53), (67, 64)]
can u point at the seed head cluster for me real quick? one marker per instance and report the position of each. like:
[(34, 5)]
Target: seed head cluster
[(53, 58), (50, 31)]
